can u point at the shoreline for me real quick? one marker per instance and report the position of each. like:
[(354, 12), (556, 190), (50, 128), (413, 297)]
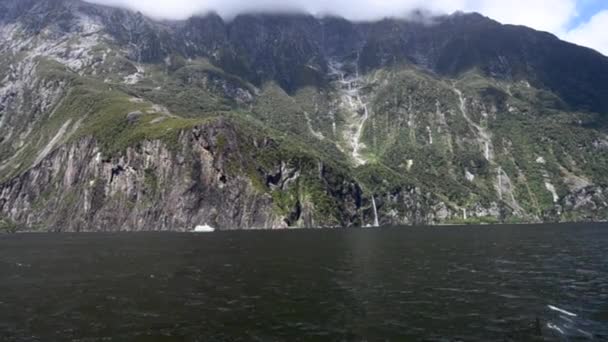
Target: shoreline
[(435, 226)]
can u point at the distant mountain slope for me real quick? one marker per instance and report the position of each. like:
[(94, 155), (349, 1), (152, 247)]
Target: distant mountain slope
[(110, 120)]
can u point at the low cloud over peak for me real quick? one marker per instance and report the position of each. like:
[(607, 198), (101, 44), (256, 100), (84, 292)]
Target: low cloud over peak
[(357, 10), (554, 16)]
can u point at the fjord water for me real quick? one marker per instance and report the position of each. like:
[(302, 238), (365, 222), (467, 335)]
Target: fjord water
[(437, 284)]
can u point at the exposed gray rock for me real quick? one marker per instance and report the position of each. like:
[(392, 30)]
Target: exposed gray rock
[(591, 202), (133, 117), (148, 188), (428, 147)]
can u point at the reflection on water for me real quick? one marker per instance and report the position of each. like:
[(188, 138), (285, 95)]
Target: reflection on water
[(440, 284), (569, 325)]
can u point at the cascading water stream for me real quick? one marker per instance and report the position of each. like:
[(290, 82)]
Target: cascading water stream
[(376, 221), (356, 109)]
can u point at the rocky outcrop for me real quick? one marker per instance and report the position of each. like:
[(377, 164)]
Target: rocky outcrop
[(149, 187), (590, 202), (113, 121), (154, 187)]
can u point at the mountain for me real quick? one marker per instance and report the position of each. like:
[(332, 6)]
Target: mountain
[(110, 120)]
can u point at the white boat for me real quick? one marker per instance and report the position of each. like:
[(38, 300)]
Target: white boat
[(204, 229)]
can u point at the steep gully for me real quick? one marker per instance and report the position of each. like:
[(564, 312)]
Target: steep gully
[(503, 182), (356, 112), (354, 106)]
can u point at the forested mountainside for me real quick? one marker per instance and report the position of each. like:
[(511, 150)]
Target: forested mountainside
[(110, 120)]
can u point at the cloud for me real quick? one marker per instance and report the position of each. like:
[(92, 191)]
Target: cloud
[(547, 15), (593, 33), (535, 13), (350, 9)]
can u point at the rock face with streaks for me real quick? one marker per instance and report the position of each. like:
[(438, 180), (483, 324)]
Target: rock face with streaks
[(151, 187), (110, 120)]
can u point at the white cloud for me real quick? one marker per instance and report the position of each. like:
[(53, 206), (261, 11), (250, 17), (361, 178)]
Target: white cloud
[(526, 12), (547, 15), (350, 9), (593, 33)]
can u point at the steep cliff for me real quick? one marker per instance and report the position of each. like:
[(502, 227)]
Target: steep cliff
[(208, 179), (113, 121)]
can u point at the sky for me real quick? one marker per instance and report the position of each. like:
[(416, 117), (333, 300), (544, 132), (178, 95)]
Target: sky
[(584, 22)]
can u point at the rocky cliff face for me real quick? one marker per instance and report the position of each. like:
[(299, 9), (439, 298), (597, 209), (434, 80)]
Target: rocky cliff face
[(151, 186), (112, 121), (76, 188)]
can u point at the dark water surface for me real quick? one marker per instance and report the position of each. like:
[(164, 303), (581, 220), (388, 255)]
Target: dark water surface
[(435, 284)]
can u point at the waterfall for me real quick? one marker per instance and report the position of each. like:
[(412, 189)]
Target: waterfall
[(376, 221), (499, 176), (487, 152), (354, 106), (484, 137), (356, 140)]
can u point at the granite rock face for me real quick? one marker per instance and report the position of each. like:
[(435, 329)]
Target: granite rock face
[(148, 188), (110, 120), (151, 187)]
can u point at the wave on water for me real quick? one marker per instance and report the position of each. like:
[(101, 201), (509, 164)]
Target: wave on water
[(555, 308), (570, 325)]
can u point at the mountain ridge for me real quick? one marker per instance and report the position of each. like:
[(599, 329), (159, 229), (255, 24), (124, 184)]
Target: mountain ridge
[(486, 31), (323, 121)]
